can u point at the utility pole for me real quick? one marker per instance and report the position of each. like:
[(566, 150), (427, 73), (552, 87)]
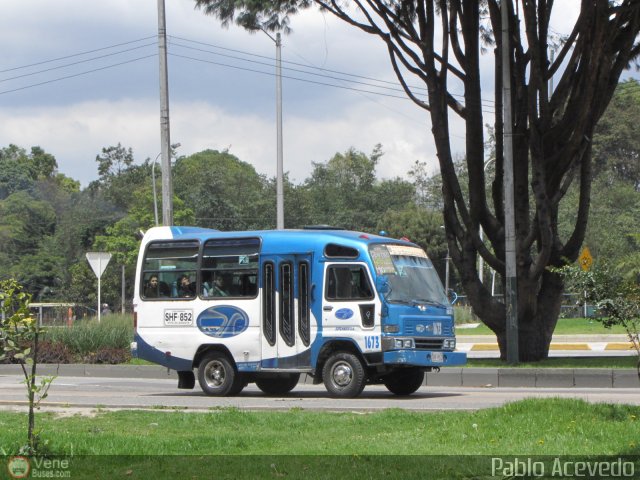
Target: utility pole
[(280, 173), (165, 142), (280, 169), (511, 286)]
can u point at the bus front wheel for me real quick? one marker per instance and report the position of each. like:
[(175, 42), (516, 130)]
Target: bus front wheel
[(344, 375), (404, 382), (278, 385), (218, 377)]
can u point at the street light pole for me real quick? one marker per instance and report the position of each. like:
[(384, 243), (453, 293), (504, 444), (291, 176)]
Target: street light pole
[(153, 183), (153, 178), (446, 274)]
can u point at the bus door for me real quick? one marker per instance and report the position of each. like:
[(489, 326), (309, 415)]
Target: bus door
[(286, 314), (349, 305)]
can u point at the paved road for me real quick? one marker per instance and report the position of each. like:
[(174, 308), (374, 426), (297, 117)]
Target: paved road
[(89, 393)]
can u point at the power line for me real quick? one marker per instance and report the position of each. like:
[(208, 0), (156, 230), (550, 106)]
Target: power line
[(395, 89), (76, 63), (393, 86), (288, 77), (76, 54), (484, 102), (77, 74)]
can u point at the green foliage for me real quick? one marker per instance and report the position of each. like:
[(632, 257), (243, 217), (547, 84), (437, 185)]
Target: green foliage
[(428, 185), (423, 227), (223, 192), (85, 338), (615, 216), (19, 335), (616, 298), (344, 191), (616, 144), (19, 170), (25, 224)]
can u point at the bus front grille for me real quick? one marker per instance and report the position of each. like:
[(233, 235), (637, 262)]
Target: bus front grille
[(428, 343)]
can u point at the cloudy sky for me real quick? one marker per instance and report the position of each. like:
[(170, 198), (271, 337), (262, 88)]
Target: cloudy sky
[(81, 75)]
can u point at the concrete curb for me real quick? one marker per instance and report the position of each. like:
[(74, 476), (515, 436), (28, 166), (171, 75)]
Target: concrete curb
[(447, 377)]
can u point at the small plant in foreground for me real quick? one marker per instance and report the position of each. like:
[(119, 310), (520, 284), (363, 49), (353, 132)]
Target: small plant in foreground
[(19, 334)]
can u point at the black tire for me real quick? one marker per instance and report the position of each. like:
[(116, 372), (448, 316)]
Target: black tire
[(238, 385), (218, 377), (278, 385), (344, 375), (404, 382)]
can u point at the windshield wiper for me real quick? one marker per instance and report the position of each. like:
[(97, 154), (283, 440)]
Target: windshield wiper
[(418, 301), (423, 301)]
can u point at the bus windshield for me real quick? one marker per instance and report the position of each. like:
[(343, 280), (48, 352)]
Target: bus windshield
[(412, 277)]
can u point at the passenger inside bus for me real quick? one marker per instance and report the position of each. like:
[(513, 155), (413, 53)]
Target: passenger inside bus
[(218, 288), (185, 288), (155, 288)]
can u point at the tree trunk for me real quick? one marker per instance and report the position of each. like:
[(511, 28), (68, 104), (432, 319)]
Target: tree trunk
[(31, 382), (538, 312)]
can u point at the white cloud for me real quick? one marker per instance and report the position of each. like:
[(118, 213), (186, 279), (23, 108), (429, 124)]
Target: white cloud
[(76, 133), (211, 106)]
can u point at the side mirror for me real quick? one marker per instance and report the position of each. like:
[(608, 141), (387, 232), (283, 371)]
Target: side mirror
[(453, 296), (382, 285)]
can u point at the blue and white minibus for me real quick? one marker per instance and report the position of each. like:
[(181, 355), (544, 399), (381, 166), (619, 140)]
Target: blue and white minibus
[(346, 308)]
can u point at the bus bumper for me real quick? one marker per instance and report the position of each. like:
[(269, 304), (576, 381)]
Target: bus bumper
[(424, 358)]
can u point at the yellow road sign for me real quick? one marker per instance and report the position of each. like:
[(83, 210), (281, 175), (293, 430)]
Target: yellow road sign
[(585, 259)]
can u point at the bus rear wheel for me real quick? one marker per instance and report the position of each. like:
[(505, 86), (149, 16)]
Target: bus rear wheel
[(218, 377), (278, 385), (404, 382), (344, 375)]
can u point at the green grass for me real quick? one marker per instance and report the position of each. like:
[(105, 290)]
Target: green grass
[(528, 427), (560, 362), (565, 326)]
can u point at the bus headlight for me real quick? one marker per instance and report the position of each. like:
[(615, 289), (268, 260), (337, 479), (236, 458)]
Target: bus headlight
[(390, 343), (404, 343), (449, 344), (391, 328)]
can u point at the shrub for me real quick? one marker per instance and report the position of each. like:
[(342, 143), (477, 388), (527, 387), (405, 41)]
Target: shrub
[(50, 352), (85, 338), (110, 356)]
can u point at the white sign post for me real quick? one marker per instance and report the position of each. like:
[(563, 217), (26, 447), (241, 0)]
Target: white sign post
[(98, 262)]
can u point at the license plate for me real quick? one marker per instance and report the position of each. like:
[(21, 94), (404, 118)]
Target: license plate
[(437, 357), (178, 317)]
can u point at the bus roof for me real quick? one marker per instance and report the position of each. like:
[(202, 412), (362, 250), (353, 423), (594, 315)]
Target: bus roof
[(277, 241)]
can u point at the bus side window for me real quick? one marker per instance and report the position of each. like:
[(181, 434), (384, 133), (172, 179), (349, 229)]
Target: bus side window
[(165, 263), (348, 282)]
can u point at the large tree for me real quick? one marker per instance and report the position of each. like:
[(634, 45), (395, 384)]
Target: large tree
[(439, 43)]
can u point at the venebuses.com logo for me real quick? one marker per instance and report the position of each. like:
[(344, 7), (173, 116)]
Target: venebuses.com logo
[(19, 467), (37, 467)]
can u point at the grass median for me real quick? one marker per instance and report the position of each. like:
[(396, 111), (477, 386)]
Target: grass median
[(288, 442), (532, 427), (565, 326)]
